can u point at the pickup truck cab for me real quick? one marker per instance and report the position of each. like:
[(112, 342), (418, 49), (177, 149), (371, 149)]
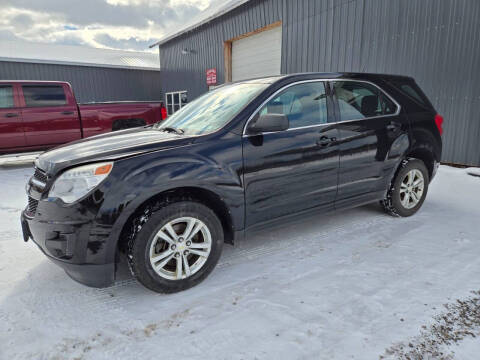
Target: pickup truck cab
[(36, 115), (244, 156)]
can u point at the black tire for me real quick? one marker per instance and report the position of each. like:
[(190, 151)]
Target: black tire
[(139, 246), (392, 202)]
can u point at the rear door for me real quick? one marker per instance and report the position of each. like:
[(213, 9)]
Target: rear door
[(291, 171), (372, 135), (50, 114), (11, 127)]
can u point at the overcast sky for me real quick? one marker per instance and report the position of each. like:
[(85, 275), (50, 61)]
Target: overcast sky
[(115, 24)]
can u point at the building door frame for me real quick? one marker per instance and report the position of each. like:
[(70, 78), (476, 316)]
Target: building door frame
[(227, 47)]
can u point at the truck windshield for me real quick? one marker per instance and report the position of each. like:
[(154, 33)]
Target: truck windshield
[(213, 110)]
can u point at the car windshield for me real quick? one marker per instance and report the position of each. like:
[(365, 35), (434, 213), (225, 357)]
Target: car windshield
[(213, 110)]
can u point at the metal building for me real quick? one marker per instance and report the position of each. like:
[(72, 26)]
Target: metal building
[(95, 74), (435, 41)]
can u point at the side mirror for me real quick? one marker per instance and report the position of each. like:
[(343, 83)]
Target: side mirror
[(269, 123)]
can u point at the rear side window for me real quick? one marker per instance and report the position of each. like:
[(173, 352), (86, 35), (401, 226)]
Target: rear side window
[(359, 100), (44, 95), (412, 90), (303, 104), (6, 97)]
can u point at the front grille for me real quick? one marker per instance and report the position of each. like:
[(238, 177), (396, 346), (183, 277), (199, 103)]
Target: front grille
[(32, 206), (40, 176), (38, 182)]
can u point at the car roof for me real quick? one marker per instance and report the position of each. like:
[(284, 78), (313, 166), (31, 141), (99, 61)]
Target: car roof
[(323, 75)]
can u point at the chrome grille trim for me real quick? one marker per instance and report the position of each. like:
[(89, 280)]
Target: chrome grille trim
[(38, 182)]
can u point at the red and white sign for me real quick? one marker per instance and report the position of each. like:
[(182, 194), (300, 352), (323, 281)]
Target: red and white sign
[(212, 76)]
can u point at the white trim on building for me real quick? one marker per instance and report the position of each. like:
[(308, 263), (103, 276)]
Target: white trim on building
[(27, 52), (209, 14)]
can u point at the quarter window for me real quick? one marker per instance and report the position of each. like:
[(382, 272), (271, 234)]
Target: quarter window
[(413, 93), (358, 100), (6, 97), (44, 95), (175, 101), (303, 104)]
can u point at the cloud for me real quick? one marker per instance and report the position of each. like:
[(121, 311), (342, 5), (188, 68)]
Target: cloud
[(130, 43), (7, 35), (22, 21), (117, 24), (70, 39)]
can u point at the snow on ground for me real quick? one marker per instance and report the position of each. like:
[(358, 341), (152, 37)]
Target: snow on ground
[(353, 285), (14, 160)]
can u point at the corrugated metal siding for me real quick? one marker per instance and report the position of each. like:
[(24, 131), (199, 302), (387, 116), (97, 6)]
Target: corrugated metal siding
[(91, 83), (435, 41), (187, 72)]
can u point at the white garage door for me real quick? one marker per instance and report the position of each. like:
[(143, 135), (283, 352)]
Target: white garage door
[(257, 55)]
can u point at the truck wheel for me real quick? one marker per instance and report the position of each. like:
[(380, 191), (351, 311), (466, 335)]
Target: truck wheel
[(177, 247), (408, 190)]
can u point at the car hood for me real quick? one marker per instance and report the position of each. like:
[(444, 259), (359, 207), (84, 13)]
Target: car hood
[(110, 146)]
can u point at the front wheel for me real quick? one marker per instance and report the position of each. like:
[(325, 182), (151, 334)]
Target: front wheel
[(408, 190), (177, 247)]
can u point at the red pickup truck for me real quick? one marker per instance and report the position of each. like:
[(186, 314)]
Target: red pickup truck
[(36, 115)]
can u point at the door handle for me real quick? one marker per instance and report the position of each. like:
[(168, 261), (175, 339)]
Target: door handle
[(394, 126), (10, 115), (67, 112), (325, 141)]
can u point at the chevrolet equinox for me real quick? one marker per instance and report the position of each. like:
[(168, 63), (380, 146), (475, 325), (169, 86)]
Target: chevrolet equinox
[(243, 156)]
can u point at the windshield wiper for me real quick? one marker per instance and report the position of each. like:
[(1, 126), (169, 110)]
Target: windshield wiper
[(172, 130)]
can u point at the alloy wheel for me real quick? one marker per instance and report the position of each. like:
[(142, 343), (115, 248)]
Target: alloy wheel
[(411, 188), (180, 248)]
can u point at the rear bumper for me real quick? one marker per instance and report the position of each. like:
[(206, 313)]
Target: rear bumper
[(69, 245)]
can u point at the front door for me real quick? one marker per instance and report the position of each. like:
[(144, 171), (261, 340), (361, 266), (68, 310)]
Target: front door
[(50, 117), (11, 126), (290, 171), (368, 124)]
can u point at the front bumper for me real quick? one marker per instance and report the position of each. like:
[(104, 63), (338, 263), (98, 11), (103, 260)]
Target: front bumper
[(72, 245)]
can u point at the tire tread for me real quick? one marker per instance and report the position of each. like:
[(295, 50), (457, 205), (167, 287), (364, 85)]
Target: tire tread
[(133, 252)]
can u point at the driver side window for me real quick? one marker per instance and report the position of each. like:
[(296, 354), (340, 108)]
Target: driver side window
[(304, 104)]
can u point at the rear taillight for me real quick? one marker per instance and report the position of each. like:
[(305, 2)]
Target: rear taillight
[(439, 123), (163, 112)]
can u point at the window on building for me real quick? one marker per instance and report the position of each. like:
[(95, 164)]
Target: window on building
[(175, 101), (304, 104), (6, 97), (44, 95), (359, 100)]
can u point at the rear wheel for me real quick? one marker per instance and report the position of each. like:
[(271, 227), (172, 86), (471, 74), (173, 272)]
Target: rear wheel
[(408, 190), (177, 247)]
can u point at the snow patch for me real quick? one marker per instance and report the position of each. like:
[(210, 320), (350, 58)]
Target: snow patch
[(346, 285)]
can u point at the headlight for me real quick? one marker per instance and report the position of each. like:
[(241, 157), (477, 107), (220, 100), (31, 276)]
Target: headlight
[(78, 182)]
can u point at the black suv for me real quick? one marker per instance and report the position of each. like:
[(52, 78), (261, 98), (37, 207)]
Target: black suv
[(243, 156)]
